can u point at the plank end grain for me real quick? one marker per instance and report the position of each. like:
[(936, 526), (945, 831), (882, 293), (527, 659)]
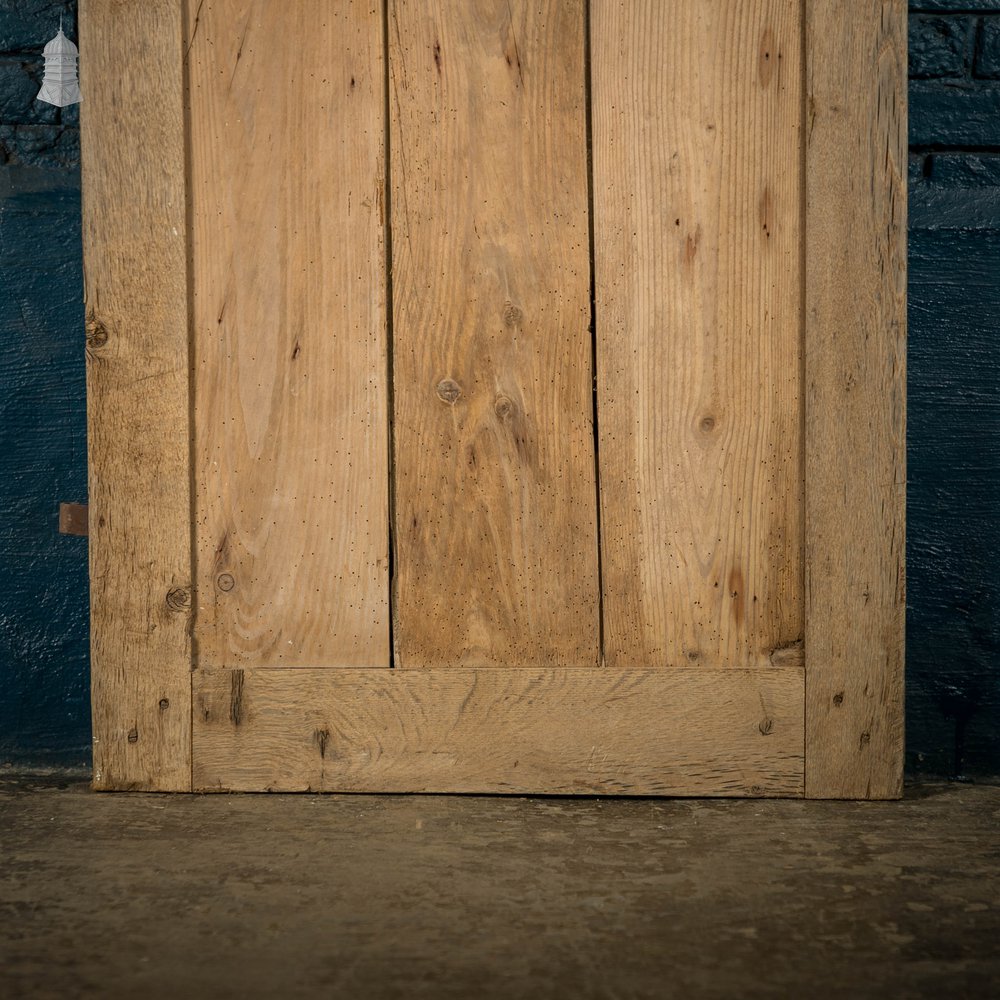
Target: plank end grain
[(134, 236), (855, 363)]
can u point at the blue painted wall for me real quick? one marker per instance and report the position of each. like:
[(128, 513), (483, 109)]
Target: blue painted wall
[(953, 700), (953, 631), (44, 696)]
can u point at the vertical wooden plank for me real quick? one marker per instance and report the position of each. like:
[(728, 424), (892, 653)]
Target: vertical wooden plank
[(855, 398), (697, 209), (134, 237), (495, 507), (291, 453)]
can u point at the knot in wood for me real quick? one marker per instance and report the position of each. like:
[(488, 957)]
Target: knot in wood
[(448, 391), (503, 407), (766, 727), (97, 334), (512, 314), (133, 735), (179, 598), (226, 582), (707, 424)]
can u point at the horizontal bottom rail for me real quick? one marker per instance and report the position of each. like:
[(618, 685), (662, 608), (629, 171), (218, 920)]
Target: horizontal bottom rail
[(566, 731)]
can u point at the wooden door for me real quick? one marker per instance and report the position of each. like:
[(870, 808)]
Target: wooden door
[(496, 396)]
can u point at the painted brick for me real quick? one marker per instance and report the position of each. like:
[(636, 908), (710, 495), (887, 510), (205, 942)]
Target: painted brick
[(957, 116), (957, 191), (973, 6), (988, 53), (941, 46), (44, 712), (55, 147), (20, 79), (953, 625), (31, 221), (915, 173), (26, 25), (967, 170)]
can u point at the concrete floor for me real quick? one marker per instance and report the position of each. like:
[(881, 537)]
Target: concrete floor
[(418, 896)]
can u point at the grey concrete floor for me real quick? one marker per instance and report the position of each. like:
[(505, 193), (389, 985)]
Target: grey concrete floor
[(419, 896)]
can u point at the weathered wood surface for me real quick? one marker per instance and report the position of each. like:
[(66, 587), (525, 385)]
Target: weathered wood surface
[(134, 232), (287, 165), (566, 731), (697, 208), (855, 398), (495, 502), (273, 261)]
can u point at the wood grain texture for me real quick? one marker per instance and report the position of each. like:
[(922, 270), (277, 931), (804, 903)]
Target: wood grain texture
[(566, 731), (286, 106), (697, 211), (855, 398), (132, 132), (495, 506)]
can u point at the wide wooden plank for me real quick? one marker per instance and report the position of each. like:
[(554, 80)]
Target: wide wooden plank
[(697, 210), (286, 106), (855, 400), (566, 731), (134, 239), (495, 508)]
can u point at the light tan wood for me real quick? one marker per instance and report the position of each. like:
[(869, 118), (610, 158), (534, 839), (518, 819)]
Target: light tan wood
[(565, 731), (495, 502), (697, 211), (747, 205), (134, 233), (855, 401), (286, 106)]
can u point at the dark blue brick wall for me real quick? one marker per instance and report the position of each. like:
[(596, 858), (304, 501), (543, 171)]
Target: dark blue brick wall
[(953, 679), (44, 697), (953, 625)]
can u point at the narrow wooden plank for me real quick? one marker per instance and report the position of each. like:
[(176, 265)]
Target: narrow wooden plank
[(495, 503), (73, 518), (697, 210), (855, 398), (134, 240), (291, 449), (565, 731)]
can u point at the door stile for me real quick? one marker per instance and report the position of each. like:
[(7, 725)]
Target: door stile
[(138, 419), (855, 334)]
